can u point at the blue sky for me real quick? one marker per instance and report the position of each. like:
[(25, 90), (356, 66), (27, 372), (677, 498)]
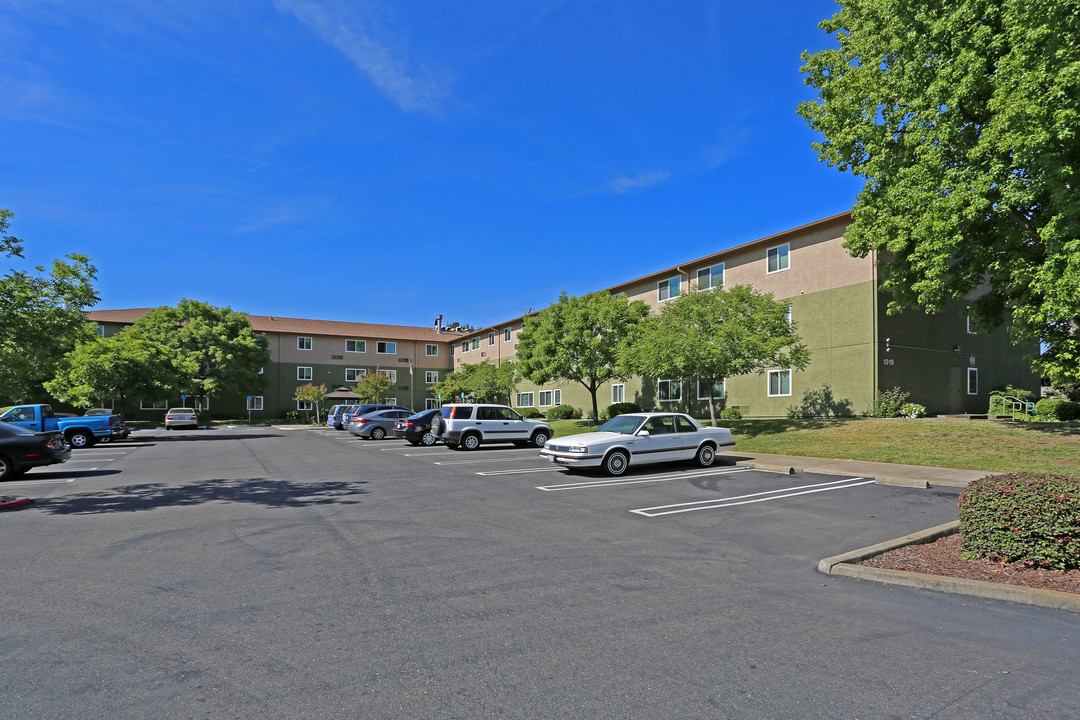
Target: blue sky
[(388, 161)]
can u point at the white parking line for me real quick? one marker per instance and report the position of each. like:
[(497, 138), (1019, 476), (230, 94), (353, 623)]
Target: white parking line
[(79, 460), (756, 498), (519, 472), (40, 482), (488, 460), (611, 482)]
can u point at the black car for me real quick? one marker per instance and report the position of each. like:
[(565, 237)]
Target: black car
[(417, 428), (22, 449)]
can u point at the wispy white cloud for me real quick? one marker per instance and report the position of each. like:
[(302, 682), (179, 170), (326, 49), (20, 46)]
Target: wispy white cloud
[(414, 88), (638, 181)]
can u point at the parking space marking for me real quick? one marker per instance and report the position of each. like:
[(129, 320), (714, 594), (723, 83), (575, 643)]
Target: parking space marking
[(478, 461), (612, 482), (76, 460), (519, 472), (10, 483), (753, 498)]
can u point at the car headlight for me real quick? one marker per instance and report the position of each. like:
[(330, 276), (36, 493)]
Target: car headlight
[(578, 449)]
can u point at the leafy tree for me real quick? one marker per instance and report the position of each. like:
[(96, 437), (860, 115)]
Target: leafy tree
[(41, 317), (120, 367), (578, 339), (715, 334), (374, 387), (311, 395), (480, 382), (962, 115), (214, 350)]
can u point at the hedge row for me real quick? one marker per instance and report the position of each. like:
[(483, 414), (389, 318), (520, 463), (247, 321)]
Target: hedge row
[(1023, 517), (1058, 409)]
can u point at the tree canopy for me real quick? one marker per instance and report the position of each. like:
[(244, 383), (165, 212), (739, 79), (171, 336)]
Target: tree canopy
[(577, 339), (311, 395), (964, 118), (214, 350), (41, 316), (482, 382), (714, 334), (373, 388)]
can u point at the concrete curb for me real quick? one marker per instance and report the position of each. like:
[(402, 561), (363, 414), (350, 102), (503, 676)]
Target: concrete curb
[(846, 565)]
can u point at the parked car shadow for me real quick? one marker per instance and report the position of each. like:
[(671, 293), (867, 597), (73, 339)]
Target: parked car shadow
[(45, 474), (257, 491)]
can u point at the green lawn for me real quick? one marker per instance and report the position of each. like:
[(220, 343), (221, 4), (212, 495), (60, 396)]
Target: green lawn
[(969, 444)]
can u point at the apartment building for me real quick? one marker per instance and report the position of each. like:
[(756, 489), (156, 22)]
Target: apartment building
[(857, 349), (323, 352)]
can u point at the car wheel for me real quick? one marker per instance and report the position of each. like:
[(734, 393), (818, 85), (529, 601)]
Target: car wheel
[(428, 439), (437, 425), (80, 439), (7, 470), (470, 441), (378, 434), (540, 438), (706, 456), (616, 462)]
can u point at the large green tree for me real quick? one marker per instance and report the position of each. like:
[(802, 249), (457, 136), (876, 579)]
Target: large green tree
[(121, 368), (41, 316), (710, 335), (578, 339), (964, 118), (482, 382), (214, 350), (374, 387)]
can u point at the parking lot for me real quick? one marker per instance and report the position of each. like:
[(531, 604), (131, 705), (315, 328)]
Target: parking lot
[(256, 572)]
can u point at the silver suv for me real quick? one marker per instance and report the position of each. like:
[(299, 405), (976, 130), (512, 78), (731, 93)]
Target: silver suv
[(465, 426)]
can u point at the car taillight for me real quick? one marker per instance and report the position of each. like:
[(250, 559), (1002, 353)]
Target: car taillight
[(111, 420), (408, 424), (363, 420)]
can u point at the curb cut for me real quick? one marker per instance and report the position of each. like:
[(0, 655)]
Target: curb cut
[(845, 565), (766, 467), (902, 481)]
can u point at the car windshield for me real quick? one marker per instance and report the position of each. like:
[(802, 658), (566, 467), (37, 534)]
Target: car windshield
[(624, 424), (8, 430)]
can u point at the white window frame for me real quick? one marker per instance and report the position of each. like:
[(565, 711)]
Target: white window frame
[(154, 405), (431, 350), (527, 397), (540, 398), (391, 401), (972, 374), (357, 374), (390, 374), (783, 258), (464, 346), (389, 347), (558, 397), (361, 344), (506, 334), (300, 376), (710, 272), (475, 343), (671, 384), (301, 405), (721, 396), (769, 383), (621, 393), (665, 286), (432, 403), (303, 342), (101, 333), (491, 338), (431, 377), (255, 403)]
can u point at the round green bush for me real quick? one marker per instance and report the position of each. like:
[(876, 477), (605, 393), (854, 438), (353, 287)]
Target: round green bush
[(1032, 518), (1057, 409), (619, 409), (564, 412), (731, 413), (530, 412)]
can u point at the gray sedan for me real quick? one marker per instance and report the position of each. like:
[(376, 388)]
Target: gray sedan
[(377, 425)]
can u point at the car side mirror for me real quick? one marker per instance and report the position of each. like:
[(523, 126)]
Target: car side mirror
[(643, 433)]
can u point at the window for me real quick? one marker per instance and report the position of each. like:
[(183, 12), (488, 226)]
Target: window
[(154, 404), (255, 402), (101, 330), (778, 258), (354, 374), (525, 399), (475, 343), (669, 390), (391, 375), (301, 405), (432, 403), (779, 383), (431, 376), (719, 391), (711, 277), (386, 348), (506, 334), (431, 350), (303, 373), (491, 338), (261, 370), (973, 381), (787, 316), (618, 393), (545, 398), (558, 397), (667, 289), (356, 346), (464, 346), (303, 343)]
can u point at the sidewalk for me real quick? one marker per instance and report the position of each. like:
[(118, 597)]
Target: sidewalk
[(883, 473)]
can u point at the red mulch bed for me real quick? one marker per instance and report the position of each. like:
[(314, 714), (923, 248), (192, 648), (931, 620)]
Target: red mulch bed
[(942, 557)]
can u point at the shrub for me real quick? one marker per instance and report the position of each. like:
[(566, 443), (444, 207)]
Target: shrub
[(1057, 409), (293, 415), (564, 412), (912, 410), (618, 409), (731, 413), (1032, 518), (530, 412), (887, 403)]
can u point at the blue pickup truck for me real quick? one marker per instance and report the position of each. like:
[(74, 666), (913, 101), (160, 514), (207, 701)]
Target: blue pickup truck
[(80, 432)]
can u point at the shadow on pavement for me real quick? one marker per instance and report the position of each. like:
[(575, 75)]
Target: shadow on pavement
[(257, 491)]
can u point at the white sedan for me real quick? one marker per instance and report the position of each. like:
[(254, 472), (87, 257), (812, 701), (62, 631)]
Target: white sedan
[(639, 438)]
